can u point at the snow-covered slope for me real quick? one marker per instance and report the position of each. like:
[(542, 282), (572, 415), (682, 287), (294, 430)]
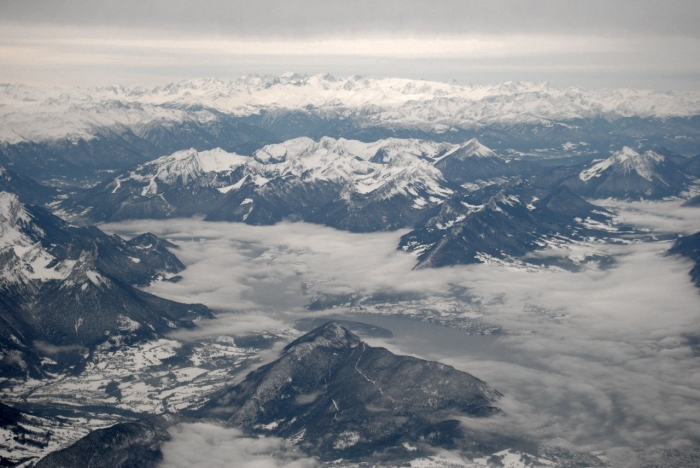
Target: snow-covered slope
[(39, 114), (360, 167), (70, 286), (627, 174), (626, 161)]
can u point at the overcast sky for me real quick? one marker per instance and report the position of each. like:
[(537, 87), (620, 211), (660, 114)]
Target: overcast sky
[(636, 43)]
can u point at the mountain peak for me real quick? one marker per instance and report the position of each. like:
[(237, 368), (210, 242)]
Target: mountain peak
[(625, 153), (628, 161), (630, 156), (474, 148), (330, 335)]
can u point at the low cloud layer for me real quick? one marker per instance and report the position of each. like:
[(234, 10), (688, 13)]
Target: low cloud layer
[(600, 358), (211, 446)]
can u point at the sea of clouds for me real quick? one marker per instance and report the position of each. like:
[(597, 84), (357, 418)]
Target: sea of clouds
[(600, 358)]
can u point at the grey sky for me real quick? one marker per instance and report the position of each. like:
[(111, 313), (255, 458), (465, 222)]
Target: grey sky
[(640, 43), (264, 18)]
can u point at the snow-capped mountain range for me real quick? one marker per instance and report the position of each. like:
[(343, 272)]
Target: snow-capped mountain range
[(388, 182), (76, 136), (39, 114), (391, 184), (627, 161), (353, 185)]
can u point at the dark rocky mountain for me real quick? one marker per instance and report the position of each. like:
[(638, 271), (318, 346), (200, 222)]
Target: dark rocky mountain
[(626, 174), (501, 222), (689, 246), (338, 397), (692, 166), (66, 289), (132, 444), (695, 201), (332, 396), (27, 189), (671, 156), (473, 161), (137, 261), (281, 198)]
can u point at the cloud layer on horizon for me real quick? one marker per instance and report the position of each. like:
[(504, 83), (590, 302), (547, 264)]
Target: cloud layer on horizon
[(617, 44)]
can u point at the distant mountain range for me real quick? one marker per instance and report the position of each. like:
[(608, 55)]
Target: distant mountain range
[(78, 136), (436, 105), (66, 289)]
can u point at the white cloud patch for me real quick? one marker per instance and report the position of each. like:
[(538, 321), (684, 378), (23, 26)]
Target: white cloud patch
[(212, 446), (233, 266), (666, 217)]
